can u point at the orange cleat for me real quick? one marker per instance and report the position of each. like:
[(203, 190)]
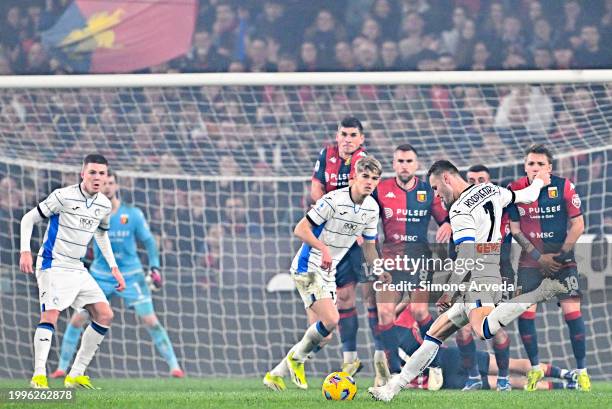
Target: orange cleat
[(177, 373), (59, 373)]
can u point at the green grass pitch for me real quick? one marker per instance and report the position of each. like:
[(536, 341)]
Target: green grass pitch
[(250, 393)]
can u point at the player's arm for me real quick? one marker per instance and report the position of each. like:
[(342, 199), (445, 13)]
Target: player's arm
[(441, 216), (104, 244), (317, 186), (45, 209), (576, 229), (370, 249), (303, 231), (144, 235), (530, 193), (546, 261)]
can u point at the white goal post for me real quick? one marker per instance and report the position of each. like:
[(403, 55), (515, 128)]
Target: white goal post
[(221, 163)]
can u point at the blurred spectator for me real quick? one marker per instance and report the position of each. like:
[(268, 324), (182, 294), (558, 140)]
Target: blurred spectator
[(344, 60), (204, 55), (450, 38), (371, 31), (564, 56), (287, 63), (309, 57), (542, 59), (542, 35), (273, 23), (480, 58), (571, 21), (465, 46), (389, 54), (411, 43), (534, 105), (387, 14), (591, 54), (325, 33), (257, 52), (367, 57), (236, 220)]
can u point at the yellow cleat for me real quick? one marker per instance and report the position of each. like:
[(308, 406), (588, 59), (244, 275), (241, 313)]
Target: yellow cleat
[(352, 368), (274, 382), (533, 377), (584, 382), (39, 382), (81, 381), (296, 369)]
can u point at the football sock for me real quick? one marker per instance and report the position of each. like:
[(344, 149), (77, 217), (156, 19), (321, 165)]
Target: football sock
[(529, 335), (467, 348), (43, 336), (312, 338), (390, 340), (575, 323), (419, 360), (70, 341), (373, 323), (163, 344), (502, 356), (348, 326), (90, 342)]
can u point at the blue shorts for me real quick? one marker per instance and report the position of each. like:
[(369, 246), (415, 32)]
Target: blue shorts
[(529, 279), (350, 268), (136, 295)]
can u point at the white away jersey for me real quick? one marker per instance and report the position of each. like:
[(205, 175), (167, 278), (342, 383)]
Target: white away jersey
[(73, 219), (339, 221), (476, 217)]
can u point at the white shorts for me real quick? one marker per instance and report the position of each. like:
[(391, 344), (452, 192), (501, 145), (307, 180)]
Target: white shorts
[(467, 301), (60, 288), (314, 286)]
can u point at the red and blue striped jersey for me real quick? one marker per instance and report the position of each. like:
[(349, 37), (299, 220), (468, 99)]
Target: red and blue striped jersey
[(545, 221), (332, 171), (405, 215)]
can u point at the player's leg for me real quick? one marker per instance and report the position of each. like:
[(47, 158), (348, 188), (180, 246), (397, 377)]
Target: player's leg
[(70, 341), (138, 295), (390, 336), (467, 348), (444, 326), (43, 337), (501, 347), (575, 323)]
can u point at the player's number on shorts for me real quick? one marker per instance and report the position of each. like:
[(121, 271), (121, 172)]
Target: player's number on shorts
[(572, 283), (488, 207)]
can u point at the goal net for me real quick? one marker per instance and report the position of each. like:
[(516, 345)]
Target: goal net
[(221, 165)]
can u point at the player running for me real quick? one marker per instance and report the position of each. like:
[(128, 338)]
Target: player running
[(547, 230), (407, 204), (76, 214), (127, 225), (475, 215), (328, 231)]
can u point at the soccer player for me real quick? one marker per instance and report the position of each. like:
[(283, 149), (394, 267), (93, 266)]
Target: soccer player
[(328, 231), (407, 205), (501, 342), (333, 170), (76, 214), (127, 225), (541, 228), (475, 215)]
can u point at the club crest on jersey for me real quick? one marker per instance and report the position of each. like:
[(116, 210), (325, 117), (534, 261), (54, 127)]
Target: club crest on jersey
[(553, 193), (124, 219), (388, 213), (332, 159), (576, 201), (521, 211), (421, 195)]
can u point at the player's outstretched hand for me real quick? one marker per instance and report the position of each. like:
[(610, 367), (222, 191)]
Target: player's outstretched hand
[(25, 262), (119, 277), (326, 259), (544, 175), (154, 279)]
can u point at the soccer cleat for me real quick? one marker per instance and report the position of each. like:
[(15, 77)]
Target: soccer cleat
[(387, 392), (39, 382), (382, 372), (503, 385), (584, 382), (274, 382), (533, 377), (177, 373), (81, 381), (296, 370), (352, 368), (547, 289), (59, 373), (473, 384), (435, 379)]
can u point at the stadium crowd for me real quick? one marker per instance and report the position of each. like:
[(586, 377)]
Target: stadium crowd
[(234, 131), (353, 35)]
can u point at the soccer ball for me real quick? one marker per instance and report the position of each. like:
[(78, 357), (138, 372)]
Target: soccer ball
[(339, 386)]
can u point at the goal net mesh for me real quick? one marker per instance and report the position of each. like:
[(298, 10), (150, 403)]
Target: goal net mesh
[(223, 174)]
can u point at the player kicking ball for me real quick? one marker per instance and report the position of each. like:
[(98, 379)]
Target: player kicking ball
[(475, 214), (76, 214), (328, 231)]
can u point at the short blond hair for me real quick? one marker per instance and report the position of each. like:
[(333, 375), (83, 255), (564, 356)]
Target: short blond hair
[(368, 163)]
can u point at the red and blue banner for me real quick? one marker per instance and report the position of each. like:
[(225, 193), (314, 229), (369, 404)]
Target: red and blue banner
[(106, 36)]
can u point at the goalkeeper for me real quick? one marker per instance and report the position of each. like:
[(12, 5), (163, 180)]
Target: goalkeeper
[(127, 224)]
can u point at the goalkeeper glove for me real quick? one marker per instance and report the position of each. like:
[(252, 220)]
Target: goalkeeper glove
[(154, 279)]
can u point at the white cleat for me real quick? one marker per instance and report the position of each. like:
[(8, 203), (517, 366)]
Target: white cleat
[(387, 392), (549, 288), (436, 379)]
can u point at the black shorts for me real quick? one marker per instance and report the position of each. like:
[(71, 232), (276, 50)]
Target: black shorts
[(529, 279), (350, 268)]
